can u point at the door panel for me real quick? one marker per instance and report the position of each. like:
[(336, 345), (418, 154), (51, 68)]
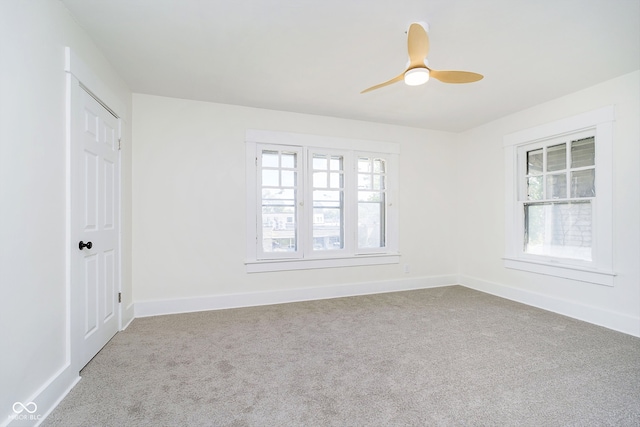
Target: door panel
[(109, 195), (90, 191), (95, 216), (91, 297)]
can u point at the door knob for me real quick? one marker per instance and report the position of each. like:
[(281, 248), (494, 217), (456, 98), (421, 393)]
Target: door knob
[(83, 245)]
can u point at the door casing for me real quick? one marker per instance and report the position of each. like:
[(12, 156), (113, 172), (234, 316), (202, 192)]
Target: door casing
[(81, 79)]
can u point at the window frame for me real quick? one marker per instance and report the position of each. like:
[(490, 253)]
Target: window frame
[(596, 123), (544, 145), (308, 195), (300, 184), (357, 157), (308, 258)]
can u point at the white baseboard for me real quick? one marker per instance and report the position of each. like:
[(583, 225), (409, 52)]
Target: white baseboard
[(46, 398), (250, 299), (608, 319)]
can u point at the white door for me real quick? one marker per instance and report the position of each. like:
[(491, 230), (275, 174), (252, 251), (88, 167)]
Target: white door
[(95, 215)]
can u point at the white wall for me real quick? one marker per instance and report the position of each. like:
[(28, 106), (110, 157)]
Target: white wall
[(33, 258), (189, 209), (481, 211), (189, 201)]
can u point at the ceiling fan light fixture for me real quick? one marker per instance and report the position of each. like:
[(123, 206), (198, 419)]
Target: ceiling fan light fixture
[(417, 71), (416, 76)]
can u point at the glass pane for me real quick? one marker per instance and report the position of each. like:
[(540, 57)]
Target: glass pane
[(534, 188), (335, 180), (559, 229), (370, 196), (335, 164), (320, 180), (327, 228), (534, 228), (278, 229), (583, 153), (371, 231), (378, 182), (327, 198), (378, 166), (272, 196), (270, 159), (279, 218), (534, 162), (319, 162), (364, 182), (328, 220), (583, 183), (364, 164), (557, 186), (557, 157), (288, 178), (288, 160), (270, 178)]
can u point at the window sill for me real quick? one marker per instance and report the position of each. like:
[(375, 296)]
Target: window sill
[(564, 271), (256, 266)]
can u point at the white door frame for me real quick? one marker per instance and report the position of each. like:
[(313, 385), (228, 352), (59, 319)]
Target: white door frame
[(80, 76)]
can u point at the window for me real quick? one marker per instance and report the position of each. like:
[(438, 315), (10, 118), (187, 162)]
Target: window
[(559, 198), (558, 218), (279, 171), (371, 202), (315, 202), (328, 192)]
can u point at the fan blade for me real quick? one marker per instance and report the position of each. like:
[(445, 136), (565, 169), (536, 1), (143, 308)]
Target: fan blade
[(455, 76), (418, 45), (387, 83)]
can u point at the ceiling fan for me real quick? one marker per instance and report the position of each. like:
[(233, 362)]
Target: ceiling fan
[(417, 71)]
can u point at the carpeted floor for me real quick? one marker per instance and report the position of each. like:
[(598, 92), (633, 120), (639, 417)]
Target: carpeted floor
[(444, 357)]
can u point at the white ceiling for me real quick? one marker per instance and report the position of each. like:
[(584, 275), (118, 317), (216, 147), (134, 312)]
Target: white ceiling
[(315, 56)]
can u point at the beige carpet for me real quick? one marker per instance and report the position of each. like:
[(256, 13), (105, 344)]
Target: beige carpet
[(444, 357)]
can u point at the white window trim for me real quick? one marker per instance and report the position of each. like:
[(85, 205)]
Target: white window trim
[(600, 270), (389, 255)]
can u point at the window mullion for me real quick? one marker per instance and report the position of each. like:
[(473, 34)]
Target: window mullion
[(306, 204), (350, 203), (544, 172), (570, 190), (299, 189)]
